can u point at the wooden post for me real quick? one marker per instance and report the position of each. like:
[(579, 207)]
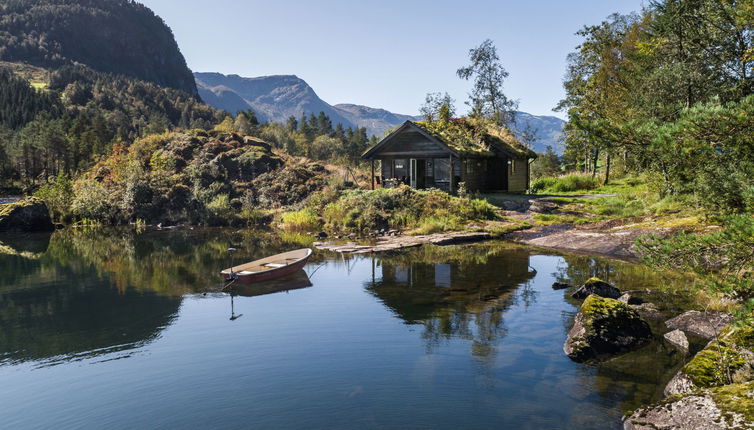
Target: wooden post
[(372, 174), (451, 174)]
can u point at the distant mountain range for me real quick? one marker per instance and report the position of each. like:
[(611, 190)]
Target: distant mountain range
[(276, 98)]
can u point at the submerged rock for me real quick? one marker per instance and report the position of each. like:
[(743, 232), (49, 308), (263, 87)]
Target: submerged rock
[(728, 407), (702, 324), (678, 340), (647, 310), (605, 327), (561, 286), (598, 287), (28, 215)]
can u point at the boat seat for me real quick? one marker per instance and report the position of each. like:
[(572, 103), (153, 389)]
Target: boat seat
[(245, 272), (275, 265)]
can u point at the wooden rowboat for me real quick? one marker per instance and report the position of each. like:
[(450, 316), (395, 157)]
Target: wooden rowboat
[(268, 268)]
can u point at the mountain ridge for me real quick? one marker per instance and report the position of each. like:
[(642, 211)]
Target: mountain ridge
[(278, 97)]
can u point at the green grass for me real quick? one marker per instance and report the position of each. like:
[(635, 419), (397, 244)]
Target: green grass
[(38, 85), (304, 220), (563, 184)]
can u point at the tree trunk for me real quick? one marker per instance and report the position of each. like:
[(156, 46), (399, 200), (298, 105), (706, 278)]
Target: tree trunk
[(594, 162), (607, 168)]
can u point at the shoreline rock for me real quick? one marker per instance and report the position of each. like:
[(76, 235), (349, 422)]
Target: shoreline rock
[(703, 324), (28, 215), (727, 407), (605, 327), (597, 287)]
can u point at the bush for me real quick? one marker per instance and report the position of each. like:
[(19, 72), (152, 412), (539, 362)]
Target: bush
[(724, 258), (404, 208), (305, 220), (564, 184)]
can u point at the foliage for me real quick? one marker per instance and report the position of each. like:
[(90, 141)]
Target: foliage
[(724, 257), (487, 99), (563, 184), (474, 136), (438, 107), (58, 195), (547, 164), (403, 208), (194, 176), (668, 92), (81, 116), (115, 36), (304, 220)]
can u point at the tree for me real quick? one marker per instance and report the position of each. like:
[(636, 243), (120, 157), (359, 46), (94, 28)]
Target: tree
[(438, 106), (487, 99)]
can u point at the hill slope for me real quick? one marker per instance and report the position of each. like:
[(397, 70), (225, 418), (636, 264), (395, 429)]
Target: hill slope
[(113, 36)]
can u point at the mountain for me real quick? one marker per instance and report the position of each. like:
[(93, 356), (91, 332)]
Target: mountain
[(547, 129), (273, 98), (276, 98), (374, 119), (112, 36)]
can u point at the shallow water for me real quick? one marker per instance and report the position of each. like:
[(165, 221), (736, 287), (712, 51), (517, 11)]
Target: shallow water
[(110, 329)]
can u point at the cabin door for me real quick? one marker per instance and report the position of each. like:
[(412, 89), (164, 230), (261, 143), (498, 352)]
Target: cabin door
[(412, 172)]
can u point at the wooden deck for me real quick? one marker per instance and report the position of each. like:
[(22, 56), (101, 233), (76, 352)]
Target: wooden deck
[(393, 243)]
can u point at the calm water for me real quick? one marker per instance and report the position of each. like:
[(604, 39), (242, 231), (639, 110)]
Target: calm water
[(110, 329)]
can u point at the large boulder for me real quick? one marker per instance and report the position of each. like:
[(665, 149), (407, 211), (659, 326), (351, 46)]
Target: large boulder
[(27, 215), (596, 286), (726, 360), (702, 324), (604, 327), (728, 407)]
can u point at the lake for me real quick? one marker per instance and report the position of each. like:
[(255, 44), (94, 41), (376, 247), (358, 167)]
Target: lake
[(112, 329)]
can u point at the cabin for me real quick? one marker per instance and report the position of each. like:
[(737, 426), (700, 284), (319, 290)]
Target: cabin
[(442, 155)]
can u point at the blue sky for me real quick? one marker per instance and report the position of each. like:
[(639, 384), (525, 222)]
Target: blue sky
[(387, 53)]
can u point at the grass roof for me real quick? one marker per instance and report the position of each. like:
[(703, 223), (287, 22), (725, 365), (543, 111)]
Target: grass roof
[(475, 137)]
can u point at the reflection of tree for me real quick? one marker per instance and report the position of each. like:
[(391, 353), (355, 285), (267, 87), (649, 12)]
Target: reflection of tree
[(482, 283), (98, 291)]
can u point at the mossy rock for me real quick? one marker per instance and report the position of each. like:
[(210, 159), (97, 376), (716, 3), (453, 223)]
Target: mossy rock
[(726, 407), (713, 365), (726, 361), (604, 327), (28, 215), (596, 286)]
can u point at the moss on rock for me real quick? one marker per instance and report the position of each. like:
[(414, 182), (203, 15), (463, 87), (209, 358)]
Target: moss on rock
[(604, 327)]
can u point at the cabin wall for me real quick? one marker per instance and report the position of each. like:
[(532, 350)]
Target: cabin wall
[(518, 175), (474, 174)]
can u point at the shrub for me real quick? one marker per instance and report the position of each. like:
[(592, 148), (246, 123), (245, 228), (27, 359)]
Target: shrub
[(565, 184), (305, 220)]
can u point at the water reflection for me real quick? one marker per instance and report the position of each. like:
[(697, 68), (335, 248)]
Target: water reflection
[(459, 292), (82, 293)]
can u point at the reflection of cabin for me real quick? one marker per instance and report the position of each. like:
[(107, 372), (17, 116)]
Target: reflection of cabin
[(442, 155)]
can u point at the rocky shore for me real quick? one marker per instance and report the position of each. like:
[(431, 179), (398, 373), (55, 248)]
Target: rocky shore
[(714, 389)]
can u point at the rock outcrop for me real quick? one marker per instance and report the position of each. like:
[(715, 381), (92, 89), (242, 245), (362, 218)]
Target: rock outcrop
[(598, 287), (728, 407), (28, 215), (724, 361), (678, 340), (604, 327), (702, 324)]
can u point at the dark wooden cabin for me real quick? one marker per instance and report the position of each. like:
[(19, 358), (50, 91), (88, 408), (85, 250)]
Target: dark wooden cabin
[(442, 155)]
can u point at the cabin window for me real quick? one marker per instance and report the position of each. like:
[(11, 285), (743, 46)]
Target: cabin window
[(401, 169), (513, 166), (442, 170)]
